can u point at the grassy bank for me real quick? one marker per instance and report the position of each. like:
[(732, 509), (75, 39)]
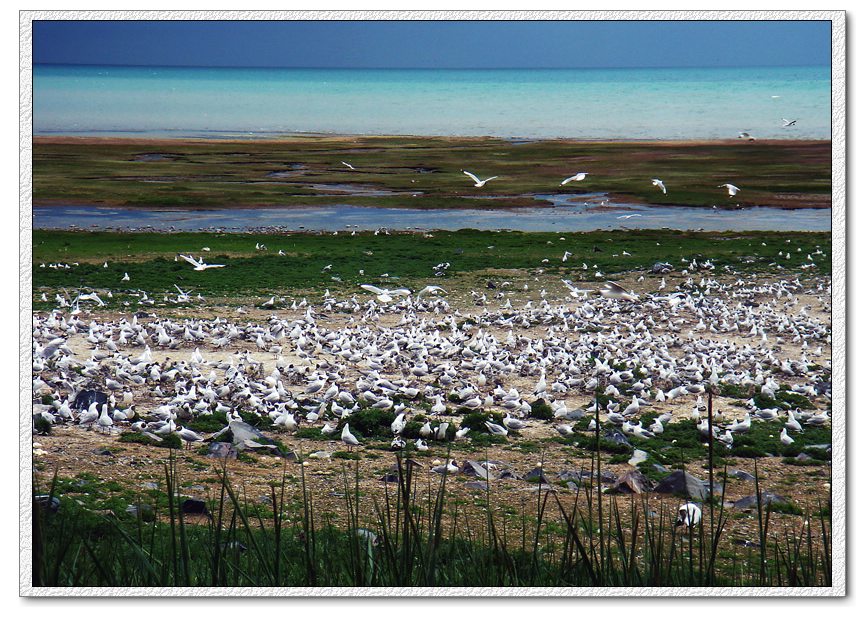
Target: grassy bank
[(408, 259), (310, 171)]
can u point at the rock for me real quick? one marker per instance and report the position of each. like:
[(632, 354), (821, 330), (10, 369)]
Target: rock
[(194, 506), (631, 482), (49, 502), (245, 436), (473, 468), (748, 543), (85, 398), (103, 452), (573, 486), (802, 457), (536, 475), (570, 476), (153, 486), (607, 477), (144, 512), (389, 477), (616, 436), (221, 449), (751, 501), (660, 468), (478, 486), (820, 446), (741, 475), (507, 474), (683, 484), (640, 456), (661, 267)]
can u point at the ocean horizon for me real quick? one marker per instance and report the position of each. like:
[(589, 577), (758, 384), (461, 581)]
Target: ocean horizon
[(593, 103)]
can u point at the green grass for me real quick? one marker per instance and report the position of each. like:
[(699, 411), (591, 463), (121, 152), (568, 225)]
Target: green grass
[(219, 173), (424, 536), (149, 258)]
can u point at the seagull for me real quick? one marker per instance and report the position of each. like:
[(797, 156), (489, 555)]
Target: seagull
[(347, 438), (578, 177), (431, 289), (748, 136), (785, 438), (732, 189), (628, 216), (788, 122), (386, 295), (349, 165), (612, 290), (575, 291), (199, 264), (660, 184), (478, 182)]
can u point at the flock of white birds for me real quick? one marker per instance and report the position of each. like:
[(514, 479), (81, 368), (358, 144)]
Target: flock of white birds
[(314, 364)]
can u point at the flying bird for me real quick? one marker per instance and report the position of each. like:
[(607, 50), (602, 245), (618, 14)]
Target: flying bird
[(660, 184), (788, 122), (612, 290), (349, 165), (478, 182), (628, 216), (578, 177), (732, 189), (386, 295), (199, 264)]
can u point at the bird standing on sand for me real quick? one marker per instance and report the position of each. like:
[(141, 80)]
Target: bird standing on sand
[(660, 184), (576, 177), (347, 438), (478, 182)]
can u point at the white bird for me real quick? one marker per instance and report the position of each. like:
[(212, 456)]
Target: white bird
[(478, 182), (660, 184), (612, 290), (431, 289), (628, 216), (788, 122), (347, 438), (199, 264), (449, 467), (732, 189), (575, 291), (785, 438), (748, 136), (385, 295), (349, 165), (495, 429), (689, 515), (578, 177)]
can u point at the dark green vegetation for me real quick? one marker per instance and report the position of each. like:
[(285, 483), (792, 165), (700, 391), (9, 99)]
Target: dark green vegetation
[(419, 537), (149, 259), (308, 171)]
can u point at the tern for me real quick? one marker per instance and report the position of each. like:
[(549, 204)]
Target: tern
[(628, 216), (199, 264), (788, 122), (660, 184), (732, 189), (575, 291), (349, 165), (478, 182), (386, 295), (576, 177), (612, 290)]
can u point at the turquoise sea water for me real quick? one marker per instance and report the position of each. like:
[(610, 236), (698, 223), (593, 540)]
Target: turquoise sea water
[(677, 103)]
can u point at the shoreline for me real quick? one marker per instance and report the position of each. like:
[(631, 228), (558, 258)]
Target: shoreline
[(268, 138)]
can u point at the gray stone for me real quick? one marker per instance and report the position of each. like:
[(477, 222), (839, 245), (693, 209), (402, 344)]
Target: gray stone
[(802, 457), (751, 501), (480, 486), (741, 475), (616, 436), (684, 484), (507, 474), (536, 475), (640, 456), (473, 468), (631, 482)]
